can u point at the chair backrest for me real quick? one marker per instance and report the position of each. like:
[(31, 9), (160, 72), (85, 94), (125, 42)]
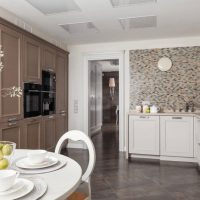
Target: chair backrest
[(80, 136)]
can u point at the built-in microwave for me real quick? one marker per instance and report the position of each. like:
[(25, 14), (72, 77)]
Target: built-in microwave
[(32, 100), (48, 81)]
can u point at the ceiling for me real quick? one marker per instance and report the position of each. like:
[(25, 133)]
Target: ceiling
[(94, 21)]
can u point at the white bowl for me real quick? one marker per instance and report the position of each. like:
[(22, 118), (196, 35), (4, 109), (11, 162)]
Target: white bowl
[(36, 156), (7, 179)]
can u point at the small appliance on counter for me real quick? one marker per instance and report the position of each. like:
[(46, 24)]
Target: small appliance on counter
[(48, 92), (32, 100)]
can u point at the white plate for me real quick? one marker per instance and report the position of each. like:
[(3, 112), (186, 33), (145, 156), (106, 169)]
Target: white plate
[(26, 189), (25, 163), (19, 183)]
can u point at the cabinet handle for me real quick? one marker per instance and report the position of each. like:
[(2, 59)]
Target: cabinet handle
[(51, 117), (144, 117), (50, 70), (62, 111), (12, 119), (63, 114), (12, 123), (177, 118), (33, 120)]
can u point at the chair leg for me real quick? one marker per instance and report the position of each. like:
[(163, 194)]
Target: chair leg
[(89, 190)]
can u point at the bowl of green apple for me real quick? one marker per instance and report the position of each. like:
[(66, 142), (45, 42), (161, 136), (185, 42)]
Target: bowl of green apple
[(6, 153)]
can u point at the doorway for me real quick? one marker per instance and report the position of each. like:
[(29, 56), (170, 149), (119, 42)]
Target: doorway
[(87, 95), (104, 96)]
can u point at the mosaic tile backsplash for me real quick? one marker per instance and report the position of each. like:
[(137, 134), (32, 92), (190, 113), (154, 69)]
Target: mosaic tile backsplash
[(171, 89)]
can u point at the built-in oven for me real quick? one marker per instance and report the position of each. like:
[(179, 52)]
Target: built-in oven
[(32, 100), (48, 81), (48, 102)]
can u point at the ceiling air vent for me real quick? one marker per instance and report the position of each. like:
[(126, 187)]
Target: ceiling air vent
[(138, 22), (80, 28), (119, 3), (49, 7)]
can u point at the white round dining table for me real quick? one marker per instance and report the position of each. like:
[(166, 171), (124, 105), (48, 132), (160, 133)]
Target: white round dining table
[(62, 182)]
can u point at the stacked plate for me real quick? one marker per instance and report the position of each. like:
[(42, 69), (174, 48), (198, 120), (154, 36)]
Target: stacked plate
[(21, 188), (26, 163)]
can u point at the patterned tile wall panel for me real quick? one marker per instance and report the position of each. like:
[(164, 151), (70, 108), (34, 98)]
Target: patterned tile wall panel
[(166, 89)]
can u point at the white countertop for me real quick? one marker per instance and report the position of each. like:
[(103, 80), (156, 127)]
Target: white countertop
[(192, 114)]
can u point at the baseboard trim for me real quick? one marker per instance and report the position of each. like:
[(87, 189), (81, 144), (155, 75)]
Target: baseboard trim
[(164, 158)]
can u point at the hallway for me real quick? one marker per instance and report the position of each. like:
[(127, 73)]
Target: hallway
[(115, 178)]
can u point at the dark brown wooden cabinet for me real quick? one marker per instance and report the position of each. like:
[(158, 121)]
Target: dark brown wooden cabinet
[(32, 60), (25, 56), (34, 137), (13, 131), (49, 130), (11, 42), (49, 58), (61, 125), (61, 83)]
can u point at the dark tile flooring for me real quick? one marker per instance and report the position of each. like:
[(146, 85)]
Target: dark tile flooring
[(115, 178)]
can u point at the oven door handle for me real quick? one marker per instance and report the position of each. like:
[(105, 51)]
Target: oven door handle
[(34, 91)]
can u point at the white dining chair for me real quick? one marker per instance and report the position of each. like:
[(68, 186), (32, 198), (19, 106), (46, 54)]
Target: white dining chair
[(84, 190)]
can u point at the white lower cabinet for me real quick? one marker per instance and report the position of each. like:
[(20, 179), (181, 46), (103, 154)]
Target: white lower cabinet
[(197, 138), (144, 135), (177, 136)]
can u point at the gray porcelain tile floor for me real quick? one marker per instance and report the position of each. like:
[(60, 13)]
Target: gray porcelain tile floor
[(115, 178)]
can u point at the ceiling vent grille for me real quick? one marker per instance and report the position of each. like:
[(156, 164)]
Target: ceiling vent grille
[(120, 3), (50, 7), (138, 22), (80, 28)]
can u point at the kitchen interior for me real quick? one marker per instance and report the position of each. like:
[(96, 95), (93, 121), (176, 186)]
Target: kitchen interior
[(43, 80)]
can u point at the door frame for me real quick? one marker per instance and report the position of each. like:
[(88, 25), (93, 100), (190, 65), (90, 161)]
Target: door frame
[(106, 56)]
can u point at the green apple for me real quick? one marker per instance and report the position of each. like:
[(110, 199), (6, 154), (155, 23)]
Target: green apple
[(4, 163), (1, 155), (1, 145), (7, 150)]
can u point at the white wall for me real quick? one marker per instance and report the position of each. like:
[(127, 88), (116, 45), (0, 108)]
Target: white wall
[(76, 69)]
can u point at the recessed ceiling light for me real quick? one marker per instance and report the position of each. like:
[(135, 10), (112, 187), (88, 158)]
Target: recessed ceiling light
[(119, 3), (49, 7), (80, 28), (138, 22)]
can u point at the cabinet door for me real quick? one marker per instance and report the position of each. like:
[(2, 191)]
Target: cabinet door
[(197, 139), (13, 131), (144, 135), (33, 134), (49, 128), (10, 76), (49, 58), (177, 136), (61, 125), (61, 83), (32, 60)]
